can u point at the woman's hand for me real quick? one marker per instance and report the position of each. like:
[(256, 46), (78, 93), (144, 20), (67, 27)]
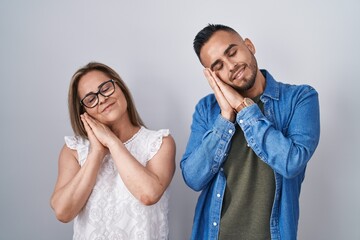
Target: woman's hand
[(95, 144), (100, 131)]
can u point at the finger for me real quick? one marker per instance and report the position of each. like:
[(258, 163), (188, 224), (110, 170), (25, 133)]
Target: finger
[(229, 93), (91, 121), (232, 96), (221, 84), (214, 81), (213, 75), (94, 141), (86, 125), (98, 128), (210, 79)]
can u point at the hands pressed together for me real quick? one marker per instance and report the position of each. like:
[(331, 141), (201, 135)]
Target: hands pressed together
[(100, 135), (227, 97)]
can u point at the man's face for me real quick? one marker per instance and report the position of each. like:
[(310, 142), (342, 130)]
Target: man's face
[(231, 58)]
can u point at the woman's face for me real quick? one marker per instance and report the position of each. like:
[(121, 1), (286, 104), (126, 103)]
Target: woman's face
[(109, 109)]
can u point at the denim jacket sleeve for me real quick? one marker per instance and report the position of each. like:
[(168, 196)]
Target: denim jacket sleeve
[(207, 146), (287, 134)]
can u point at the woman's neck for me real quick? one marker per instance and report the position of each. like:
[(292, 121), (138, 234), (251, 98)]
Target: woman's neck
[(124, 129)]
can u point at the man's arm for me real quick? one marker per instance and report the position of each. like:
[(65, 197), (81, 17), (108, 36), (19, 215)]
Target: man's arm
[(206, 147), (287, 150)]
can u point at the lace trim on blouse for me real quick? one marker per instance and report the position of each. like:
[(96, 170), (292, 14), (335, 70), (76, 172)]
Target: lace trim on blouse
[(111, 210), (134, 136)]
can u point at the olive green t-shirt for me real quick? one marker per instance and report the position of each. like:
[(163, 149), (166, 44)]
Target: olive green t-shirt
[(249, 193)]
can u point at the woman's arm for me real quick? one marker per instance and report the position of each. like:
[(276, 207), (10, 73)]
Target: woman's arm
[(148, 183), (74, 183)]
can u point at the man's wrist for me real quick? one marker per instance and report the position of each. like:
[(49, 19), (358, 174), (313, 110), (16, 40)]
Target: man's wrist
[(230, 116), (246, 102)]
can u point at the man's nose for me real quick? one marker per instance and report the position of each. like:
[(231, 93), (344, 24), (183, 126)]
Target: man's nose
[(232, 66)]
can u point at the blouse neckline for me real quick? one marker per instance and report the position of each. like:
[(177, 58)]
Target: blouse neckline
[(134, 136)]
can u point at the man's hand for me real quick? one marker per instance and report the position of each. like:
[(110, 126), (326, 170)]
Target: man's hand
[(227, 97)]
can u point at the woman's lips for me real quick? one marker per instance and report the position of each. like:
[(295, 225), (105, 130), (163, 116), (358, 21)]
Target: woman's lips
[(107, 107)]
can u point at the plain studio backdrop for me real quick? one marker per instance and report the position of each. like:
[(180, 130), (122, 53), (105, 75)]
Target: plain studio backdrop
[(149, 43)]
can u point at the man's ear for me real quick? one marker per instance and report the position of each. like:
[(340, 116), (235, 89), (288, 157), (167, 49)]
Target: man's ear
[(250, 45)]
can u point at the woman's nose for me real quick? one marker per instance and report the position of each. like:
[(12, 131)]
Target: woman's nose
[(102, 98)]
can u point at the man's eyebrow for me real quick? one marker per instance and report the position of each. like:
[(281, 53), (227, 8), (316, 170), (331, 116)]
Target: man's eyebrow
[(225, 53), (227, 50)]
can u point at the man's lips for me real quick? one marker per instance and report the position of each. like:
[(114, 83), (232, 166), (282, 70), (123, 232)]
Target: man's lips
[(238, 73)]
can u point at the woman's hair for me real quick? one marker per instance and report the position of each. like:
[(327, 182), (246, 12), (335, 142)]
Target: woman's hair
[(75, 107)]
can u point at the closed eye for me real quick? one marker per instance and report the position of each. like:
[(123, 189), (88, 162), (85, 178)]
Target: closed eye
[(105, 89), (91, 98), (218, 67), (232, 53)]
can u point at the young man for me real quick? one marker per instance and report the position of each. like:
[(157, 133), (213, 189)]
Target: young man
[(249, 145)]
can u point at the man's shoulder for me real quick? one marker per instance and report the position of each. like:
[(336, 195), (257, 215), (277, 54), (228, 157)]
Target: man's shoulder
[(275, 86), (296, 88), (207, 100)]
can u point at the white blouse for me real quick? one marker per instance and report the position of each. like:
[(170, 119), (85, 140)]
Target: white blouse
[(111, 211)]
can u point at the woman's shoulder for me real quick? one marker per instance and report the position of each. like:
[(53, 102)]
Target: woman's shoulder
[(150, 141), (155, 133), (75, 142), (79, 147), (145, 135)]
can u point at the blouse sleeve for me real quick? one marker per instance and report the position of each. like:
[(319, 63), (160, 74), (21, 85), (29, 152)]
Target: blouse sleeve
[(155, 142), (80, 145)]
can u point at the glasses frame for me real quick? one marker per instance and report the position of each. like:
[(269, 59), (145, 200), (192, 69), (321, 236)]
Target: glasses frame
[(97, 93)]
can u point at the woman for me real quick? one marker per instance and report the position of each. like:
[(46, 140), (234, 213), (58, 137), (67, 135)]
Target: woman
[(113, 174)]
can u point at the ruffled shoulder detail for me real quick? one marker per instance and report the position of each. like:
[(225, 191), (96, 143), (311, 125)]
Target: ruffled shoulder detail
[(79, 144), (155, 141)]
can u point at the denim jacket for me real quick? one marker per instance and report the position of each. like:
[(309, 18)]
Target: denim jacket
[(285, 137)]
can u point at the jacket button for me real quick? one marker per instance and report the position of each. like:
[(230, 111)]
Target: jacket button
[(215, 224)]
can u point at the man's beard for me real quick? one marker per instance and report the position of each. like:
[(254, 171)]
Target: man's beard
[(249, 81)]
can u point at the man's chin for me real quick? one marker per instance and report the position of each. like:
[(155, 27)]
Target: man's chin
[(244, 86)]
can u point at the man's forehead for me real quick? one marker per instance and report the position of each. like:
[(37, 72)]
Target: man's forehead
[(216, 46), (224, 38)]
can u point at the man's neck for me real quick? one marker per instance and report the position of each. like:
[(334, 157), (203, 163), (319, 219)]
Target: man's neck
[(259, 86)]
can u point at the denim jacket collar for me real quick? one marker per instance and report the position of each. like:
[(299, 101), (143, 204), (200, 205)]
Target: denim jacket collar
[(272, 88)]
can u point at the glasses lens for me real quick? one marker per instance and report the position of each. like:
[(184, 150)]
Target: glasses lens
[(90, 100), (107, 89)]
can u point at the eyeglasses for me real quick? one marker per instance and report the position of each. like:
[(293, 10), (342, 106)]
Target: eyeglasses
[(91, 99)]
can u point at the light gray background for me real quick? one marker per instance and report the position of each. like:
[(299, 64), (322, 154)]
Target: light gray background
[(42, 43)]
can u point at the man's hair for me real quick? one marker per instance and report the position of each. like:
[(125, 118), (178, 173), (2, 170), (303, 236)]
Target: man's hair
[(206, 33)]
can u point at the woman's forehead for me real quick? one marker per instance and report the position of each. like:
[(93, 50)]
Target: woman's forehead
[(91, 81)]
